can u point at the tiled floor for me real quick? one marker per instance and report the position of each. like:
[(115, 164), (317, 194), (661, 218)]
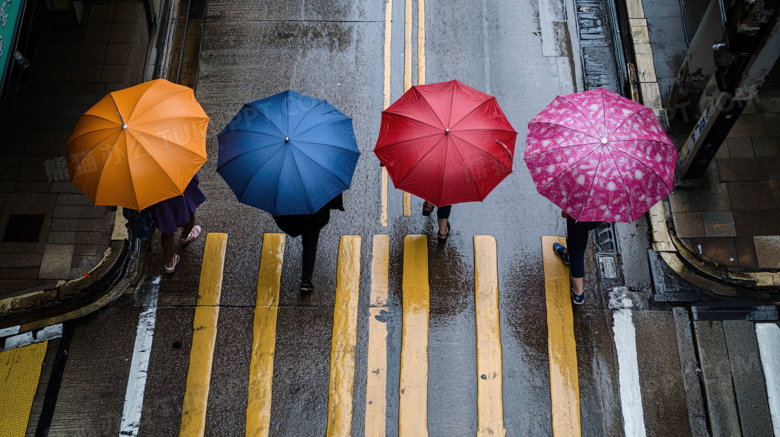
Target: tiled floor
[(734, 219), (71, 69)]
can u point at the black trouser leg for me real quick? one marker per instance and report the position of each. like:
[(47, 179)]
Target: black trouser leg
[(309, 254)]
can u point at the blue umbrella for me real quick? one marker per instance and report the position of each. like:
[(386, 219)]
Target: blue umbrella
[(288, 154)]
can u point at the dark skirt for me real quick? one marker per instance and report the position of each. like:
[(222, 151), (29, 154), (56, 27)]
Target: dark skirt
[(174, 213), (294, 225)]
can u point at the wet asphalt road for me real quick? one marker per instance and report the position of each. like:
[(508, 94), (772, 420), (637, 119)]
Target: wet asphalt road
[(333, 49)]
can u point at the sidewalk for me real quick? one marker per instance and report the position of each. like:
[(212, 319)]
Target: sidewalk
[(731, 220), (51, 231)]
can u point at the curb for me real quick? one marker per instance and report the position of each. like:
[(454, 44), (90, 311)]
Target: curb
[(79, 297), (692, 268)]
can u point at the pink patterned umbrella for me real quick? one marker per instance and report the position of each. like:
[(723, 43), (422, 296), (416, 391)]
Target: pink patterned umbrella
[(599, 156)]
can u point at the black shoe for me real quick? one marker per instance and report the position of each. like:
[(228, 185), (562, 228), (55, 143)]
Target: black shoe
[(306, 286), (427, 212), (578, 299), (443, 238)]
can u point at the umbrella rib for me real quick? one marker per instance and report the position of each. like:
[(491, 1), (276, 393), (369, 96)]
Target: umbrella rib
[(89, 132), (431, 107), (410, 118), (320, 124), (406, 141), (650, 170), (487, 129), (117, 108), (162, 170), (629, 118), (247, 152), (559, 148), (590, 189), (317, 163), (449, 116), (582, 113), (471, 112), (158, 103), (300, 179), (565, 127), (255, 174), (307, 114), (98, 143), (484, 151), (132, 181), (625, 187), (559, 174), (418, 163), (470, 174)]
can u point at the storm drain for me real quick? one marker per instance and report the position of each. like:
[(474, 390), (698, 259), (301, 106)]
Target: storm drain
[(23, 228)]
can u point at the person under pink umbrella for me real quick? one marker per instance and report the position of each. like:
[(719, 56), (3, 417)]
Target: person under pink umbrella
[(601, 158)]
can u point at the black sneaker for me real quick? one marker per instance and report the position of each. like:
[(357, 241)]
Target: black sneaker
[(306, 286), (559, 250), (578, 299)]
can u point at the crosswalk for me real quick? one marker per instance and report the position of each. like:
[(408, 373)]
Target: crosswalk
[(19, 365)]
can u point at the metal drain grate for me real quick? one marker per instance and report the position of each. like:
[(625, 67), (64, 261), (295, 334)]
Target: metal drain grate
[(23, 228), (605, 238)]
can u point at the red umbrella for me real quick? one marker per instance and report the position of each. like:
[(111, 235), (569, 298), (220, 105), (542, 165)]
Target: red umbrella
[(446, 143)]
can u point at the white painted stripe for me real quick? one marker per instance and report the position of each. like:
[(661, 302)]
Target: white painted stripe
[(27, 338), (628, 370), (768, 335), (136, 382), (5, 332)]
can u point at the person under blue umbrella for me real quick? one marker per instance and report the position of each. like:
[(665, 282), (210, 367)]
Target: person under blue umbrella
[(292, 156)]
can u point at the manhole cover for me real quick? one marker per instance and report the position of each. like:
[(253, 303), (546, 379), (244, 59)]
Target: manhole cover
[(23, 228)]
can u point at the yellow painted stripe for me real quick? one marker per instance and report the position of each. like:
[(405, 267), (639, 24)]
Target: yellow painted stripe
[(261, 365), (344, 339), (420, 42), (490, 403), (564, 383), (413, 404), (386, 92), (376, 381), (204, 335), (20, 370)]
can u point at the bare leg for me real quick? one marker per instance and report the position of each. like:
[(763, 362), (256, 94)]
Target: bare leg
[(167, 246), (186, 229), (579, 286)]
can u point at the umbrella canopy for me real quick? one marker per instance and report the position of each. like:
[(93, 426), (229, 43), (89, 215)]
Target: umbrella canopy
[(138, 146), (288, 154), (446, 143), (599, 156)]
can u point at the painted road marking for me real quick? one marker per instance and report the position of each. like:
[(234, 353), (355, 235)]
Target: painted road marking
[(35, 336), (768, 335), (20, 370), (136, 382), (261, 365), (204, 335), (490, 406), (376, 380), (413, 403), (344, 339), (420, 42), (564, 383), (628, 365), (407, 79), (386, 92)]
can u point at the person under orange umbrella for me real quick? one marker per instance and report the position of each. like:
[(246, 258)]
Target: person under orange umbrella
[(141, 148)]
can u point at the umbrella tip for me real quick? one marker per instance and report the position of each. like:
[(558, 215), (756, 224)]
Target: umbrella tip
[(286, 139), (446, 131), (124, 126), (603, 141)]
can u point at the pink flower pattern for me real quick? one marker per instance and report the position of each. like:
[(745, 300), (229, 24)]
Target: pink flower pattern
[(600, 156)]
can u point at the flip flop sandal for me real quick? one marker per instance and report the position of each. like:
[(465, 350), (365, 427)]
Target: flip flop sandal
[(194, 233), (443, 238), (427, 212), (175, 261)]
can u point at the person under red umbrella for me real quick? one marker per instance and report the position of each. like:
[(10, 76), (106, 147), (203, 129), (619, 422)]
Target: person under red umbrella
[(447, 143)]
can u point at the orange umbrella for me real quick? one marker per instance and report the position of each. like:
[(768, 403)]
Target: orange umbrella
[(138, 146)]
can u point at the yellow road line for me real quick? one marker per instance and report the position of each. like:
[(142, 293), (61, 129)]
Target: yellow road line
[(564, 382), (490, 403), (408, 79), (204, 335), (261, 366), (342, 350), (420, 42), (386, 92), (376, 381), (413, 403), (20, 370)]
